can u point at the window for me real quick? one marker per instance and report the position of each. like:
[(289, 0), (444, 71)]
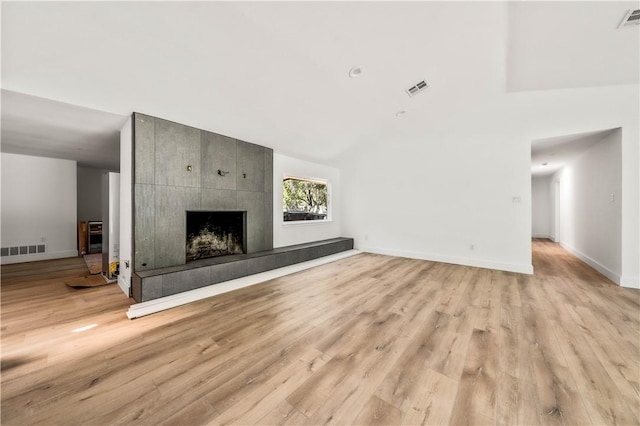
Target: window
[(304, 199)]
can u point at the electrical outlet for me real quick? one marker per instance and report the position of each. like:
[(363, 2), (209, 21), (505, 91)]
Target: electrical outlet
[(366, 237), (472, 247)]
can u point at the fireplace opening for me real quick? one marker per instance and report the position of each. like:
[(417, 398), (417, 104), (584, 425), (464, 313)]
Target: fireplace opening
[(215, 233)]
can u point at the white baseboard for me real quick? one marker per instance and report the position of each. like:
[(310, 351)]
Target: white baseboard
[(124, 286), (21, 258), (547, 236), (510, 267), (630, 282), (164, 303), (613, 276)]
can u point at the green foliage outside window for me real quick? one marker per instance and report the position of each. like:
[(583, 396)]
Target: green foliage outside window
[(304, 200)]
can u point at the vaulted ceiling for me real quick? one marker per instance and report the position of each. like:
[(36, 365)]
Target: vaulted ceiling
[(276, 73)]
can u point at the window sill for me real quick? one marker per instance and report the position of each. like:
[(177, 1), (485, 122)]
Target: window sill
[(305, 222)]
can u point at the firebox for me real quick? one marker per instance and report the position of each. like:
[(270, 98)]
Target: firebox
[(215, 233)]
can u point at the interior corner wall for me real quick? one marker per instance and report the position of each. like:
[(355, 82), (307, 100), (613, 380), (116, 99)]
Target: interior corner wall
[(39, 206), (455, 194), (287, 233), (630, 270), (590, 206), (89, 194), (540, 207)]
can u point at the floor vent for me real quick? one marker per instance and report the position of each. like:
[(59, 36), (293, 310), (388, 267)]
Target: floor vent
[(22, 250), (632, 17), (417, 88)]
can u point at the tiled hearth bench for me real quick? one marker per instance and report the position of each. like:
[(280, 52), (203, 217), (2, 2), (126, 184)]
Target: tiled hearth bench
[(156, 283)]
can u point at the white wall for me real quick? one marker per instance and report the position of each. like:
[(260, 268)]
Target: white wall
[(590, 206), (38, 206), (554, 213), (540, 207), (126, 207), (285, 234), (89, 194), (110, 222), (434, 194), (449, 197)]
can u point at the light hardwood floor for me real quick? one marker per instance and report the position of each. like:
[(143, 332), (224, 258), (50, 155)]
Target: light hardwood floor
[(369, 339)]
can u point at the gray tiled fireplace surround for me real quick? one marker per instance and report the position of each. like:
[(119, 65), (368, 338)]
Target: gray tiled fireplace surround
[(177, 168)]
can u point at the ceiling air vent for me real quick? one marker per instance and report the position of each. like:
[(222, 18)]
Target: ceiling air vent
[(630, 18), (417, 88)]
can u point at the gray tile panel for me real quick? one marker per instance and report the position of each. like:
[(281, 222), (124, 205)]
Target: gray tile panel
[(229, 271), (144, 149), (253, 204), (136, 287), (268, 221), (152, 288), (145, 227), (250, 167), (187, 280), (218, 153), (171, 205), (218, 199), (268, 170), (177, 149)]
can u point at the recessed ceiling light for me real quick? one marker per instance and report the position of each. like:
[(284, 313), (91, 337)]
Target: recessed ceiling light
[(355, 72), (400, 113), (544, 164)]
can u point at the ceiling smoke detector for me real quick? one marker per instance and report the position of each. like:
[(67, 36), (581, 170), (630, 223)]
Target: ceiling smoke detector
[(632, 17), (417, 88)]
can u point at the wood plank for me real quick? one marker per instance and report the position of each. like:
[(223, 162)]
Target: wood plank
[(560, 401), (283, 414), (251, 408), (603, 400), (432, 402), (400, 384), (476, 397), (378, 412), (517, 401)]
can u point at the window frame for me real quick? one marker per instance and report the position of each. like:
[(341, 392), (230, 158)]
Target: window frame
[(325, 182)]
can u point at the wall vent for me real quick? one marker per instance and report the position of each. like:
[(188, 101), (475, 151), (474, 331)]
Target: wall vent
[(417, 88), (632, 17), (21, 250)]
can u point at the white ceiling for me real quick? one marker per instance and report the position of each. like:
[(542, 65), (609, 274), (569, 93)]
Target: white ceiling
[(560, 150), (276, 74), (41, 127), (565, 44)]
